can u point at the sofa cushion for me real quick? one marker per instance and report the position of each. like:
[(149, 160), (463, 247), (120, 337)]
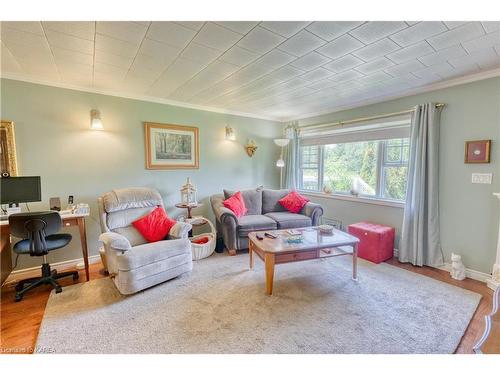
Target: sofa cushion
[(250, 223), (293, 202), (287, 220), (236, 204), (270, 200), (252, 199)]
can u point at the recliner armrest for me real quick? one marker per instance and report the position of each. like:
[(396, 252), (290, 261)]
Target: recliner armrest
[(115, 241), (180, 230)]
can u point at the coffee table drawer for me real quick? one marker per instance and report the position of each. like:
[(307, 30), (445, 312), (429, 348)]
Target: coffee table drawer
[(295, 257)]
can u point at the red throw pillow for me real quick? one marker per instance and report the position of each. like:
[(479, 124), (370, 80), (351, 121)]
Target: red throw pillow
[(155, 226), (236, 204), (293, 202)]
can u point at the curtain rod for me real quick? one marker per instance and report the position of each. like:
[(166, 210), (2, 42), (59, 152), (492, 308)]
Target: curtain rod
[(361, 119)]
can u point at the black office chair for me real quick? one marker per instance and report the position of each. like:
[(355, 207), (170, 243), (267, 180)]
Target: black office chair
[(39, 233)]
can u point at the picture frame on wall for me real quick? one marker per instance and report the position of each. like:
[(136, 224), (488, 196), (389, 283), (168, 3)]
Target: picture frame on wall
[(477, 151), (170, 146), (8, 148)]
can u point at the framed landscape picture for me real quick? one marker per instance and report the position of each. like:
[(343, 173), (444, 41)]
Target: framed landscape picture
[(8, 148), (477, 151), (171, 146)]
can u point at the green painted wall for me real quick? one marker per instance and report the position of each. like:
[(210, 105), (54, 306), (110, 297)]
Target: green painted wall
[(469, 212), (54, 141)]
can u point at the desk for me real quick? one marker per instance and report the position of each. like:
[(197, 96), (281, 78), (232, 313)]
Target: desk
[(68, 220)]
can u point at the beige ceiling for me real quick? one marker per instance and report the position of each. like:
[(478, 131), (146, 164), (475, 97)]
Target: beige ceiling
[(280, 70)]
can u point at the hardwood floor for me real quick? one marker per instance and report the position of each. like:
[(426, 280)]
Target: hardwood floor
[(20, 322)]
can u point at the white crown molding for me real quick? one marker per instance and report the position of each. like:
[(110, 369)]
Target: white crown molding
[(143, 98), (402, 94), (432, 87)]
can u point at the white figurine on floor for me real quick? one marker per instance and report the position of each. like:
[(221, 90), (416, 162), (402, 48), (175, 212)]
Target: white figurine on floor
[(457, 267)]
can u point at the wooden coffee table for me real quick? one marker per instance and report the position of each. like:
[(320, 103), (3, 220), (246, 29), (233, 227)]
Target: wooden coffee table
[(313, 246)]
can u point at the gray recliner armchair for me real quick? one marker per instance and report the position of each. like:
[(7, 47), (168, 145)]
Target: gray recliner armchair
[(264, 213), (134, 263)]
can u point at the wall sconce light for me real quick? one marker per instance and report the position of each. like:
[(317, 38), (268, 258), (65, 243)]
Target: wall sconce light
[(230, 136), (95, 120), (250, 147)]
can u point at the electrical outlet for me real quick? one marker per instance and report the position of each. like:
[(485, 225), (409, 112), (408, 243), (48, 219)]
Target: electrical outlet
[(482, 178)]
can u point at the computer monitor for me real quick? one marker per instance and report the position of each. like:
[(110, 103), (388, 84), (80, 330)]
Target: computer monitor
[(14, 190)]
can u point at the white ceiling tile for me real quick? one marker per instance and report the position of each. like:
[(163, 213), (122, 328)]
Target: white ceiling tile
[(115, 46), (284, 28), (29, 27), (104, 57), (377, 49), (411, 23), (404, 68), (443, 55), (239, 56), (110, 70), (330, 30), (61, 54), (485, 58), (317, 74), (411, 52), (434, 70), (485, 41), (170, 33), (375, 65), (344, 63), (260, 40), (418, 32), (140, 69), (454, 24), (301, 43), (373, 31), (58, 39), (491, 26), (310, 61), (78, 29), (215, 36), (340, 46), (276, 58), (33, 52), (131, 32), (8, 63), (458, 35), (193, 25), (241, 27), (70, 68), (198, 52), (21, 37), (320, 85), (375, 77), (346, 76), (164, 53)]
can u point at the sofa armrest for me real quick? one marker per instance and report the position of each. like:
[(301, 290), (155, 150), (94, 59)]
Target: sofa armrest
[(179, 230), (115, 241), (226, 221), (314, 211)]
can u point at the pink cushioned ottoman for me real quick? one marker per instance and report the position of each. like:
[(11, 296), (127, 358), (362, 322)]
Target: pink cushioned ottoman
[(376, 242)]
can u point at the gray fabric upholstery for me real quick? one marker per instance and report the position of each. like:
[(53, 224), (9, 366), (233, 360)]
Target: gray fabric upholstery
[(252, 199), (115, 241), (234, 231), (288, 220), (134, 263), (251, 223), (131, 234), (270, 200), (123, 199)]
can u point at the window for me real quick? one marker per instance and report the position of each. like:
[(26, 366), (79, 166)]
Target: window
[(373, 168)]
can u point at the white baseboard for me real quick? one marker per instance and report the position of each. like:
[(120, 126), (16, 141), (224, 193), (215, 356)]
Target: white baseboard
[(16, 276), (471, 274)]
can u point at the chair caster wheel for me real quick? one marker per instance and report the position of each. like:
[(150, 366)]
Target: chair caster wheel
[(19, 287), (58, 289), (18, 297), (76, 276)]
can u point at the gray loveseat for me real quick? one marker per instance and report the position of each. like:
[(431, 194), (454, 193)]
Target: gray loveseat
[(264, 213), (133, 263)]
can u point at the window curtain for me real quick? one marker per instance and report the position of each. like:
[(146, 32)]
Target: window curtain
[(420, 238), (291, 158)]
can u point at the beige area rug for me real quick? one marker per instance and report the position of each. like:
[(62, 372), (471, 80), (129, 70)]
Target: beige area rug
[(221, 307)]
